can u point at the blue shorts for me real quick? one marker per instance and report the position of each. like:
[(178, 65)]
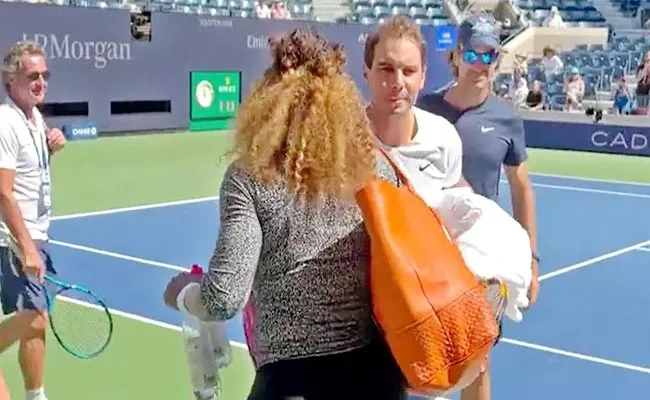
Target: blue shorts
[(18, 291)]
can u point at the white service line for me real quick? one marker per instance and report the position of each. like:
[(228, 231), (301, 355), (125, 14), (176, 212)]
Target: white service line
[(643, 249), (593, 260), (506, 340), (118, 255), (135, 208), (579, 178), (514, 342), (213, 198), (136, 318), (579, 356), (587, 190), (561, 271)]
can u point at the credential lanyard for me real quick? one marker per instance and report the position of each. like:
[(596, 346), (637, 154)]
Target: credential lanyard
[(42, 153)]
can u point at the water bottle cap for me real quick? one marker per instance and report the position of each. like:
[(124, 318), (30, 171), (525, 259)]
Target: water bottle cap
[(196, 270)]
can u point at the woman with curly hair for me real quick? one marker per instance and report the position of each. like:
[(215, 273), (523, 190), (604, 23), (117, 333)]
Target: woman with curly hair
[(292, 238)]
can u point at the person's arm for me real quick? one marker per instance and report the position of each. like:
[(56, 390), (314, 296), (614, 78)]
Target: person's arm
[(226, 286), (9, 209), (522, 195)]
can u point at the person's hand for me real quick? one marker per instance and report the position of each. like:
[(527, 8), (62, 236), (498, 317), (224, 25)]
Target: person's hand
[(55, 140), (175, 286), (533, 290), (33, 265)]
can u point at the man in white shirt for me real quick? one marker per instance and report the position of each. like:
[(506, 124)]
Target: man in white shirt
[(426, 146), (26, 145)]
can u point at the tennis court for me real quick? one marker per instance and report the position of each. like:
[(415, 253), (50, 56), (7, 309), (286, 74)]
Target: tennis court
[(132, 211)]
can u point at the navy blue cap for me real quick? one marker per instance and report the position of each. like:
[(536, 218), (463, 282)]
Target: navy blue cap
[(479, 30)]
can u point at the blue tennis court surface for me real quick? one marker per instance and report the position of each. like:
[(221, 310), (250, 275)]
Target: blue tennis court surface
[(587, 338)]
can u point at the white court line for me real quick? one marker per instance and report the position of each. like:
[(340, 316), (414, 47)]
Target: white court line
[(579, 356), (118, 255), (135, 208), (587, 190), (580, 178), (155, 323), (511, 341), (561, 271), (213, 198), (514, 342), (136, 317), (593, 260)]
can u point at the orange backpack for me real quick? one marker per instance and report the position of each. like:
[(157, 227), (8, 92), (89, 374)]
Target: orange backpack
[(431, 309)]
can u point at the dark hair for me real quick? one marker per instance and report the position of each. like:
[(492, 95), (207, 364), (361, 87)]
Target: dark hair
[(303, 48)]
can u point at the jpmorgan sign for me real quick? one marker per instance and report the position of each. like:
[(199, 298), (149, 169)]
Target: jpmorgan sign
[(620, 140), (66, 47)]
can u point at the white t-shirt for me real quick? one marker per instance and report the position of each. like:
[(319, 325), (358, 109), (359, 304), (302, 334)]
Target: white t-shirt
[(20, 140), (433, 159)]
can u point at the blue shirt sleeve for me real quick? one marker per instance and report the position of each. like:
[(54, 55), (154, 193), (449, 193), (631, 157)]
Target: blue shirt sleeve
[(517, 153)]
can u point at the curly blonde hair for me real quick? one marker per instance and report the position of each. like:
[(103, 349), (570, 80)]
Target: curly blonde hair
[(304, 124)]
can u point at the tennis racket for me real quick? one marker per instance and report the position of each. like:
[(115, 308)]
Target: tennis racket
[(497, 295), (80, 320)]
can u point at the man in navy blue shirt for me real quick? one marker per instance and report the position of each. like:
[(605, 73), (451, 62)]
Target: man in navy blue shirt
[(492, 136)]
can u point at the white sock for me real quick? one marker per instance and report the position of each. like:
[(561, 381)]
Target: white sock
[(36, 394)]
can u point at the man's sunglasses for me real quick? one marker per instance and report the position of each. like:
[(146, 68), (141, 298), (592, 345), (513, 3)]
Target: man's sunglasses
[(34, 76), (473, 57)]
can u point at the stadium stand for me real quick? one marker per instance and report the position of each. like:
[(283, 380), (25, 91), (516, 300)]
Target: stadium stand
[(424, 12), (600, 65), (574, 12), (300, 9)]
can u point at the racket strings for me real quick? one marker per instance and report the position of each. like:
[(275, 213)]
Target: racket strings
[(81, 324), (497, 296)]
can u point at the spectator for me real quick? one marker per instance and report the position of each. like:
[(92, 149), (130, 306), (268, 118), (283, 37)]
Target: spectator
[(279, 11), (535, 98), (643, 81), (518, 89), (622, 97), (574, 87), (262, 10), (554, 19), (551, 63)]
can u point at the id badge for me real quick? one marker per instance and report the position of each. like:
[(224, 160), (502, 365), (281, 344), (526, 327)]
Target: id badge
[(45, 198)]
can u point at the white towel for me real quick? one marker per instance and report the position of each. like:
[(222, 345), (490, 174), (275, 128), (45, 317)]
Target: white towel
[(493, 244)]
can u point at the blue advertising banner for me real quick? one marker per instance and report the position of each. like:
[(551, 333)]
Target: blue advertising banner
[(588, 137), (445, 37), (82, 130)]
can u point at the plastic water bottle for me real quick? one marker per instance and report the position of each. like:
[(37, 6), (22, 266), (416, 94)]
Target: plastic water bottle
[(207, 349)]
